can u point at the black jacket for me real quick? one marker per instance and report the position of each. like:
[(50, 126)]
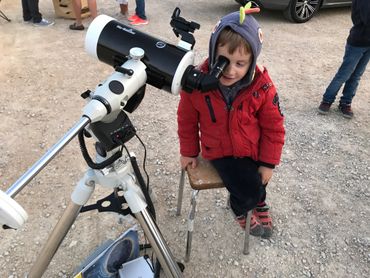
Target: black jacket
[(360, 32)]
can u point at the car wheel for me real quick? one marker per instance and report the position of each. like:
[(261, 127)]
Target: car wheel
[(300, 11)]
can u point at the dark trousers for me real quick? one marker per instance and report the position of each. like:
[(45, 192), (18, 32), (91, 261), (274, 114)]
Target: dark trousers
[(242, 180), (140, 9), (31, 10)]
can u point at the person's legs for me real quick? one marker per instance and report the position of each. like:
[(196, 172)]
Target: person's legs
[(350, 60), (26, 11), (31, 10), (140, 9), (92, 7), (242, 180), (123, 4), (76, 6), (124, 9), (351, 85)]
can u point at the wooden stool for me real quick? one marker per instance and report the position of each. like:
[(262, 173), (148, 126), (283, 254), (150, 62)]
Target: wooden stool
[(203, 177), (63, 8)]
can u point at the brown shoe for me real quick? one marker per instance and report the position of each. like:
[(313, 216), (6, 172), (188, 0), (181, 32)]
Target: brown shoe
[(74, 26), (324, 108), (346, 110)]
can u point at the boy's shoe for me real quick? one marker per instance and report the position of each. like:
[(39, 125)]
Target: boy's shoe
[(346, 110), (139, 21), (263, 216), (255, 229), (324, 108), (133, 17), (43, 23)]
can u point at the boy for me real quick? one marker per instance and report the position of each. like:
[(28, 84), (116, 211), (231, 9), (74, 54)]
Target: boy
[(239, 125), (139, 18)]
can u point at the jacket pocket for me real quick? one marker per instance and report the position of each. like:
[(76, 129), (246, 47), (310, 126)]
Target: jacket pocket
[(210, 109), (211, 147)]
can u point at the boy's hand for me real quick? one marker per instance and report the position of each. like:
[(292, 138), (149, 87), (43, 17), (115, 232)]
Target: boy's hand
[(266, 174), (185, 161)]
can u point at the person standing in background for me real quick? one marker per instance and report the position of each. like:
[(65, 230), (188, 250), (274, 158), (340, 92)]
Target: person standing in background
[(31, 13), (139, 18), (355, 60), (76, 5)]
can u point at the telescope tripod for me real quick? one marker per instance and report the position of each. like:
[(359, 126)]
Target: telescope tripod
[(119, 175)]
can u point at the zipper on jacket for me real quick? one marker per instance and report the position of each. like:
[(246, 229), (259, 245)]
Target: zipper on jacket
[(210, 108)]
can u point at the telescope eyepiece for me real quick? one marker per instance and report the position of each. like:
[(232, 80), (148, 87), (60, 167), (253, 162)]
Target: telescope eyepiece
[(194, 79)]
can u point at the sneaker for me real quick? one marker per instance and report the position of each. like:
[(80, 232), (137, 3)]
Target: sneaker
[(263, 216), (139, 21), (43, 23), (324, 108), (255, 229), (133, 17), (124, 15), (346, 110)]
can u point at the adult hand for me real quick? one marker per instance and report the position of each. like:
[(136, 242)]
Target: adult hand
[(185, 161), (266, 174)]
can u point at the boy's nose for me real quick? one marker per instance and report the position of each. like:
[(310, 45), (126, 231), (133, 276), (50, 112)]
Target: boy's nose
[(228, 70)]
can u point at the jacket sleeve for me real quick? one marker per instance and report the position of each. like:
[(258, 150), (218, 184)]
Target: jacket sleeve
[(187, 126), (271, 122)]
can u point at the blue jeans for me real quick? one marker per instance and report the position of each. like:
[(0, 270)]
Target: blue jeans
[(31, 10), (140, 9), (353, 66)]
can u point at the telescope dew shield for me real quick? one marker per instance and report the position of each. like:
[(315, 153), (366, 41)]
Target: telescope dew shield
[(110, 41)]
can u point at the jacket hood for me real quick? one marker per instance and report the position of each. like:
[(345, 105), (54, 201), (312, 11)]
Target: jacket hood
[(249, 30)]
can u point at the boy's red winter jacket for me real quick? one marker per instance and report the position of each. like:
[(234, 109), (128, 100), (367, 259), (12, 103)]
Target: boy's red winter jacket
[(253, 127)]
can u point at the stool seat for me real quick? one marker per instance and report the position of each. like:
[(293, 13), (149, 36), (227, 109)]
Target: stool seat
[(204, 176)]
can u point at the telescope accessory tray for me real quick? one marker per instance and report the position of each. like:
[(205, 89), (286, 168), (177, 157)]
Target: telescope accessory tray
[(114, 202)]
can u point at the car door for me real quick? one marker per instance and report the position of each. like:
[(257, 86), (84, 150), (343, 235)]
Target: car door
[(337, 2)]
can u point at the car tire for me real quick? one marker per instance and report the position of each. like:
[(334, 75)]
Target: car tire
[(300, 11)]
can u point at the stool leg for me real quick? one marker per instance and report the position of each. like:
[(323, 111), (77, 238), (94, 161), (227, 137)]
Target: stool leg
[(247, 228), (181, 190), (191, 224), (4, 16)]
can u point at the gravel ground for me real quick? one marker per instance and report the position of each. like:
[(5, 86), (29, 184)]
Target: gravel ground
[(319, 195)]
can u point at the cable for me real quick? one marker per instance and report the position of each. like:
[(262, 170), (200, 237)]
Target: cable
[(88, 159), (144, 161)]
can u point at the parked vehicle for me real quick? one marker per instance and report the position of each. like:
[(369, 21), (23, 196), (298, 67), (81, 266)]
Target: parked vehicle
[(298, 11)]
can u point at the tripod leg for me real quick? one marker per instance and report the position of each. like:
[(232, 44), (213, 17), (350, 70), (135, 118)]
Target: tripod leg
[(54, 240), (79, 197), (163, 253)]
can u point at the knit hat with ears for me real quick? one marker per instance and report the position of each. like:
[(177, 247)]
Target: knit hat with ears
[(249, 30)]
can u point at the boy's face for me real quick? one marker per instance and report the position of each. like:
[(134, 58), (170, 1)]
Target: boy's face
[(240, 62)]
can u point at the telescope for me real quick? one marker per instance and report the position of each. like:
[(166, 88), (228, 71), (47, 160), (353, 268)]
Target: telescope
[(137, 59)]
